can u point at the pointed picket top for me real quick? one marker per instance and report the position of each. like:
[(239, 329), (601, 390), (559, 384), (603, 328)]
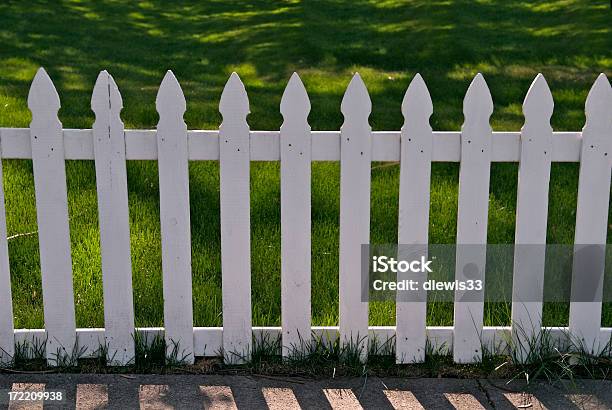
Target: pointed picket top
[(234, 98), (295, 101), (598, 107), (477, 99), (356, 101), (106, 95), (417, 104), (170, 98), (43, 96), (538, 104)]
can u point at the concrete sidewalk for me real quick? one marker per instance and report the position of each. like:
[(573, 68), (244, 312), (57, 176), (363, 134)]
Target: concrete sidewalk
[(261, 392)]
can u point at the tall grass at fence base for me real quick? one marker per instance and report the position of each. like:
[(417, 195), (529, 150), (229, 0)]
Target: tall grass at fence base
[(560, 361)]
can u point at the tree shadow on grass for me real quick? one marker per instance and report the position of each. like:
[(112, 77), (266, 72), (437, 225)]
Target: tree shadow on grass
[(447, 41)]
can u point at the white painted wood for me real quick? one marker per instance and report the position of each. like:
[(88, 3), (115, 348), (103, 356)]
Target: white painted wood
[(175, 221), (355, 169), (474, 173), (7, 340), (592, 217), (295, 147), (234, 172), (590, 147), (52, 215), (532, 215), (204, 145), (413, 229), (111, 183)]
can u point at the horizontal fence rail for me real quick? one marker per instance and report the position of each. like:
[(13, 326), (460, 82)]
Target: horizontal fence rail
[(265, 145), (355, 146)]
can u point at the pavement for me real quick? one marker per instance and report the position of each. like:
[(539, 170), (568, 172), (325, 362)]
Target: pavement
[(99, 391)]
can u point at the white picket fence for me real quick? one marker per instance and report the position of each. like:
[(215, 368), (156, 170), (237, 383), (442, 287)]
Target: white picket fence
[(296, 146)]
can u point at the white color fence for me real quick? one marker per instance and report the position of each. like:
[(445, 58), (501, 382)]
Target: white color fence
[(355, 146)]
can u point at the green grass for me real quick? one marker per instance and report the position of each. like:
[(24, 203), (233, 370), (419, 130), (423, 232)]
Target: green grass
[(265, 41)]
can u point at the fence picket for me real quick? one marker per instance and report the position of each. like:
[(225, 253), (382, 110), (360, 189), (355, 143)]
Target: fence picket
[(111, 183), (355, 170), (7, 338), (234, 172), (472, 216), (413, 226), (532, 215), (295, 141), (592, 217), (52, 214), (175, 219)]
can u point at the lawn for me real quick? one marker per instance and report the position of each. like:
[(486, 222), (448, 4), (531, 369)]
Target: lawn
[(448, 42)]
